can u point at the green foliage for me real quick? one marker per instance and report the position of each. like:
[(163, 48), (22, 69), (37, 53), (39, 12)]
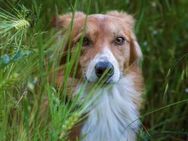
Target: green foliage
[(27, 44)]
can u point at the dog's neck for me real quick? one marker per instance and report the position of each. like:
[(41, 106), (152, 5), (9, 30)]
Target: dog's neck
[(114, 116)]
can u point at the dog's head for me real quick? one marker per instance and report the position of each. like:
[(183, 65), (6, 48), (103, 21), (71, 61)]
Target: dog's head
[(109, 44)]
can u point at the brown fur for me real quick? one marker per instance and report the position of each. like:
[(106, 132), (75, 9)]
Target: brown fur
[(102, 29)]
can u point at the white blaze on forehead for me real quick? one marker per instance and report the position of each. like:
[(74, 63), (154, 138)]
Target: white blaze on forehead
[(105, 55)]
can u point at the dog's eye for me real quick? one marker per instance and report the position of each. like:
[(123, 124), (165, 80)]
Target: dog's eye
[(119, 40), (86, 41)]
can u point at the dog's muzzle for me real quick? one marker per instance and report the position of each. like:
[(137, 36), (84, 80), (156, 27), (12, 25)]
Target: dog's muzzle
[(104, 69)]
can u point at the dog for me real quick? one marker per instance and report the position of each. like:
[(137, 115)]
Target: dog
[(109, 48)]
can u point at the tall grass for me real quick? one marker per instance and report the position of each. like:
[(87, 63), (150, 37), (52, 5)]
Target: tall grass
[(29, 64)]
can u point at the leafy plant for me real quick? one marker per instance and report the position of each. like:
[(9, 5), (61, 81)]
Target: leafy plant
[(32, 107)]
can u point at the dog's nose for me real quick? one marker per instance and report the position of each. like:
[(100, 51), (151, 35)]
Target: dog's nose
[(104, 68)]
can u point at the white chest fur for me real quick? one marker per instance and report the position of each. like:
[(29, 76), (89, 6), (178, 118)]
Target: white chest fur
[(114, 116)]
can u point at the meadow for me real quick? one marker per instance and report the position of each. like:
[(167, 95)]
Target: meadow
[(27, 41)]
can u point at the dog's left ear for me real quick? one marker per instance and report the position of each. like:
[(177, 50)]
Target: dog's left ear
[(135, 50)]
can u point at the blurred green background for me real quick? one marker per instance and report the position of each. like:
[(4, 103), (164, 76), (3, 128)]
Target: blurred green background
[(162, 32)]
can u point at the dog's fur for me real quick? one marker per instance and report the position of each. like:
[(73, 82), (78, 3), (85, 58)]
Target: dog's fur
[(114, 116)]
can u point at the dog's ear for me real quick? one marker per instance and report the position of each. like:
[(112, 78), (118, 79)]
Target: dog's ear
[(64, 21), (135, 50)]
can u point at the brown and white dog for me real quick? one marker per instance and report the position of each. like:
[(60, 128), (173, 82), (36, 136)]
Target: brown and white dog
[(109, 43)]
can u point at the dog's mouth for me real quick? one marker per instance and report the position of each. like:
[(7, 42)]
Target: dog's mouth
[(105, 80)]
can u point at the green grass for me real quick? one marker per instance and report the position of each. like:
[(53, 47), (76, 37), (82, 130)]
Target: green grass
[(27, 43)]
